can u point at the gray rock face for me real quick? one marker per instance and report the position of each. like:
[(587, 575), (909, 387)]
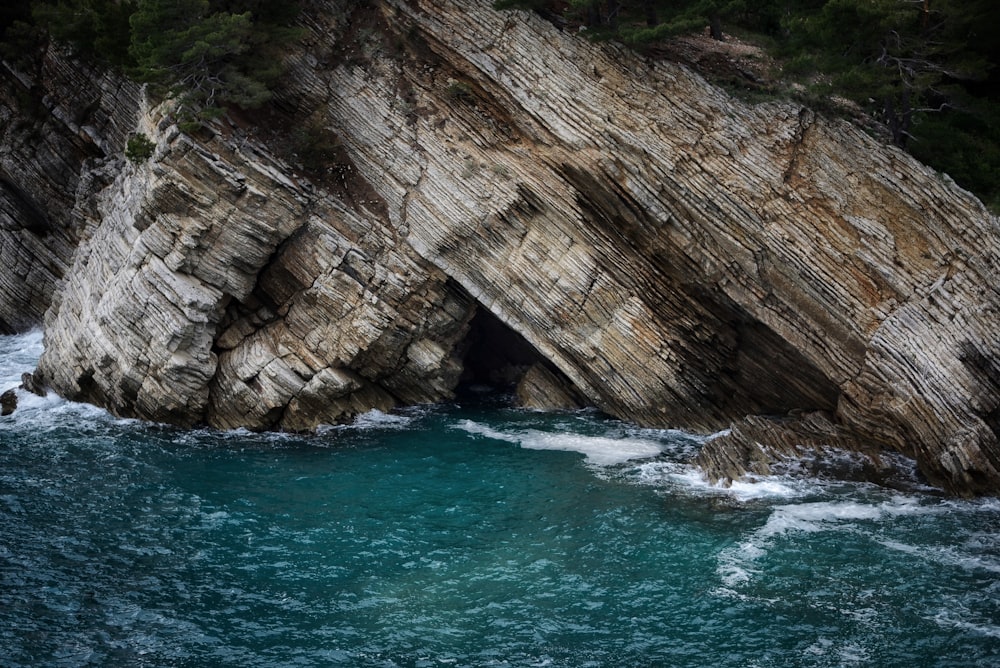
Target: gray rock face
[(802, 442), (683, 258), (680, 258), (543, 390), (62, 130), (218, 289), (8, 402)]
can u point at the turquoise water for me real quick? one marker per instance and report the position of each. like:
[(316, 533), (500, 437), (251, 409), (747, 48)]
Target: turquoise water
[(450, 536)]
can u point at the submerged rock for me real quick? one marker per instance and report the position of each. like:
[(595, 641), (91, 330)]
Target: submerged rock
[(681, 258), (8, 402), (801, 444), (31, 383)]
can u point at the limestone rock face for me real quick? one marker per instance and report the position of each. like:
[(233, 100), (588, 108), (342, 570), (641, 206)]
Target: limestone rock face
[(342, 320), (540, 389), (674, 256), (217, 289), (62, 130), (683, 258), (811, 442)]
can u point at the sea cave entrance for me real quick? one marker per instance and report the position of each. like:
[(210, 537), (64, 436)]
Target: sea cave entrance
[(495, 356), (499, 363)]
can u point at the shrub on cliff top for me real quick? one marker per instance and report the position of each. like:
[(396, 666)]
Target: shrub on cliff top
[(205, 53), (96, 29), (927, 70)]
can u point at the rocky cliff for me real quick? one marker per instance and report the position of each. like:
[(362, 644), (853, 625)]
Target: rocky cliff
[(60, 121), (506, 195)]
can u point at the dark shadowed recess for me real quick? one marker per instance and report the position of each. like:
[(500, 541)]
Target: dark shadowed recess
[(494, 355), (17, 210), (734, 364)]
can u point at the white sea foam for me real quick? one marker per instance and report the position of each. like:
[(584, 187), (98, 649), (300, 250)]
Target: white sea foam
[(479, 429), (956, 614), (737, 564), (598, 450), (20, 354), (945, 556), (42, 415), (991, 630), (683, 477), (948, 620), (373, 419), (833, 515), (36, 414), (376, 419)]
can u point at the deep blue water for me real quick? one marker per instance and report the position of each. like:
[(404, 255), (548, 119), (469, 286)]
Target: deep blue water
[(450, 536)]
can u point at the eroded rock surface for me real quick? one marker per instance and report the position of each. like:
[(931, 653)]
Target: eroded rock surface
[(683, 258), (62, 130), (799, 444), (541, 389), (8, 402), (680, 258), (218, 289)]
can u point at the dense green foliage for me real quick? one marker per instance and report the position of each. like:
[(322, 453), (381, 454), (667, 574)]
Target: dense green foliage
[(18, 36), (184, 47), (927, 70), (97, 29), (210, 53), (139, 148)]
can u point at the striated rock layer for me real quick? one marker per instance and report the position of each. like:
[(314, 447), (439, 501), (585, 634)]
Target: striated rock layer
[(62, 129), (219, 289), (672, 255)]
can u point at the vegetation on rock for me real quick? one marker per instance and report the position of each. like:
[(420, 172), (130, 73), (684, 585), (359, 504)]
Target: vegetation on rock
[(139, 148), (209, 53), (926, 71)]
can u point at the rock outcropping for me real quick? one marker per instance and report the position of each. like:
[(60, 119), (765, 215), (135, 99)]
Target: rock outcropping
[(219, 289), (672, 255), (60, 122)]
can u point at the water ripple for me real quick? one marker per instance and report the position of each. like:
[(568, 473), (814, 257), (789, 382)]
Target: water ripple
[(445, 536)]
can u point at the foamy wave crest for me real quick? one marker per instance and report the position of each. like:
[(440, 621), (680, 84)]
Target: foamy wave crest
[(737, 564), (598, 450), (42, 415), (20, 353), (373, 419), (953, 618), (687, 478), (376, 419), (945, 556)]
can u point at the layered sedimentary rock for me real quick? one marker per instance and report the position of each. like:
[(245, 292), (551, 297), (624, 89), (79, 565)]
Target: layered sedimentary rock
[(674, 256), (62, 129), (808, 443), (683, 258), (219, 289)]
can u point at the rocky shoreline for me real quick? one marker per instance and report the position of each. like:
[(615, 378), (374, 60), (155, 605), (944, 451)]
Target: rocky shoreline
[(504, 196)]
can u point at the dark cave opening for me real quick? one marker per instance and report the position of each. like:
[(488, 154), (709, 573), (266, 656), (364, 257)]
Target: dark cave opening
[(500, 367), (495, 357)]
